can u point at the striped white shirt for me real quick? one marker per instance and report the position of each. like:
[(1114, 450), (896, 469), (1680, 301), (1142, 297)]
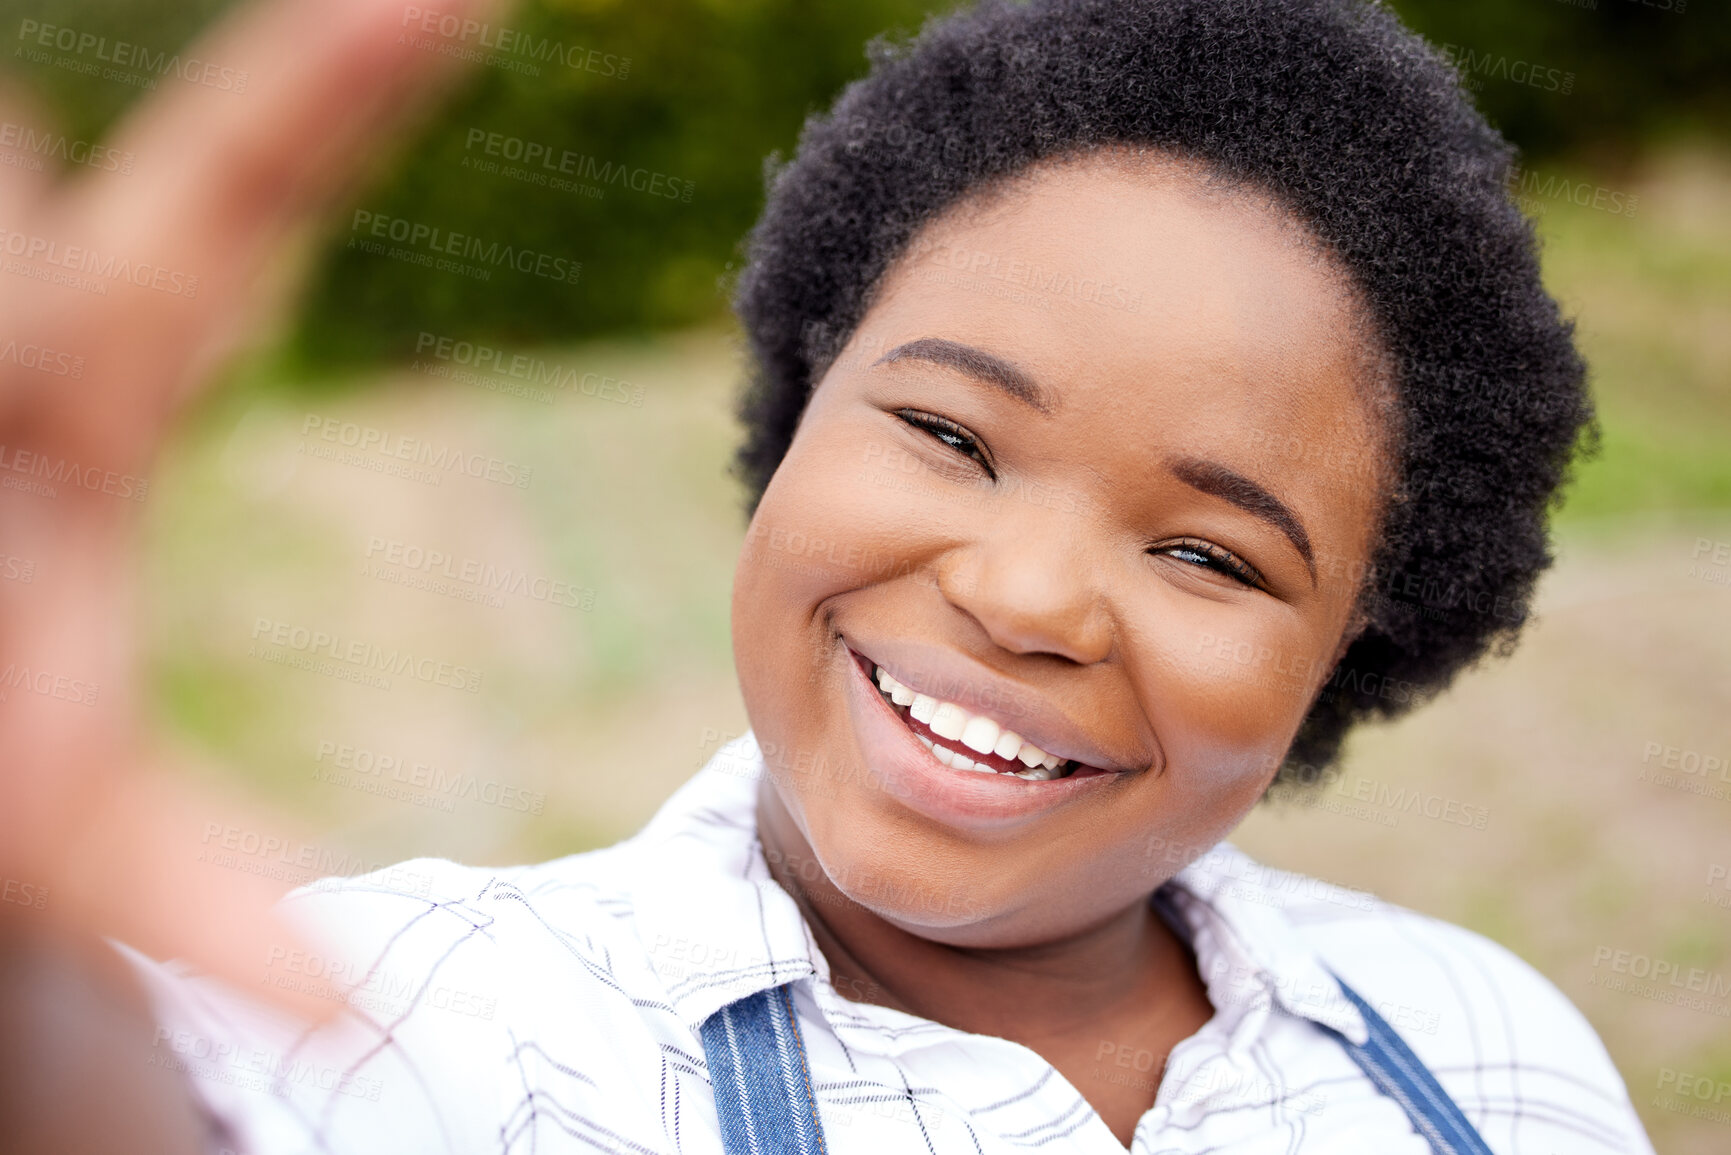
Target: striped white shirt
[(556, 1008)]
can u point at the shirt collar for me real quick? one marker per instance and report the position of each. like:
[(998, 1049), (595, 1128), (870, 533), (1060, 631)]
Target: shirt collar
[(718, 927), (1247, 948), (716, 924)]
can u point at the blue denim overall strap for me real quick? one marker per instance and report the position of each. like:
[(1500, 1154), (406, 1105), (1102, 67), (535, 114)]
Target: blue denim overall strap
[(1399, 1074), (764, 1097), (757, 1064)]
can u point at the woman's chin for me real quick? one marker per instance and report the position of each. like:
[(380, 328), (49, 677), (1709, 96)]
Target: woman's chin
[(950, 908)]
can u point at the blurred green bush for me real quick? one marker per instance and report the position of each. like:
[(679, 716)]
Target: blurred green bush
[(657, 116)]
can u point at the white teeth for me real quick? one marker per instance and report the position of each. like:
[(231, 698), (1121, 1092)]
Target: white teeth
[(902, 696), (963, 762), (948, 720), (899, 694), (980, 734), (1032, 756)]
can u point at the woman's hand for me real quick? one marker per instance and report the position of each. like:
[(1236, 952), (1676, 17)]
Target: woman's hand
[(170, 266)]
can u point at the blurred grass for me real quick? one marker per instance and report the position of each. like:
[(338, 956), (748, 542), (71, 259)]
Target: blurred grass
[(604, 713), (1652, 296)]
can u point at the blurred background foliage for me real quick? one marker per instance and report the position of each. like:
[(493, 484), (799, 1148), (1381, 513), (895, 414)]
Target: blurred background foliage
[(244, 525), (715, 86)]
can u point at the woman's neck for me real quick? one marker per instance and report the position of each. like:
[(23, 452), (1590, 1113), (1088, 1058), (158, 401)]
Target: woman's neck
[(1127, 976)]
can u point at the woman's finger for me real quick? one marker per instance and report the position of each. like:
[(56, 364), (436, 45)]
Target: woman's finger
[(152, 865), (148, 276), (221, 177)]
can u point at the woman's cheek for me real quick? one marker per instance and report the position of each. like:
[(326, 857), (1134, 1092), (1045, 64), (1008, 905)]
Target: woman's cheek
[(1249, 670), (829, 523), (1224, 693)]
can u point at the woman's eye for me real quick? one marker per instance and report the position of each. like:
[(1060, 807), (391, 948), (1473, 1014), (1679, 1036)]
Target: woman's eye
[(950, 434), (1210, 556)]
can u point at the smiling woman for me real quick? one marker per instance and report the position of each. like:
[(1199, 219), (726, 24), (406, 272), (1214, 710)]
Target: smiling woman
[(1063, 605), (1089, 620), (1037, 699), (1093, 613)]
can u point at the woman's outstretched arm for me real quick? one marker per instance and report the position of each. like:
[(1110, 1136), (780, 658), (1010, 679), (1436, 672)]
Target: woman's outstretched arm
[(138, 285)]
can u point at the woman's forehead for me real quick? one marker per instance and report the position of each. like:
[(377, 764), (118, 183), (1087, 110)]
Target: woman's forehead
[(1130, 196), (1093, 279)]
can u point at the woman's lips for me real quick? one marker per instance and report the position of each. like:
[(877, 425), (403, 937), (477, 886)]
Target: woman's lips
[(962, 798), (990, 761), (1024, 760)]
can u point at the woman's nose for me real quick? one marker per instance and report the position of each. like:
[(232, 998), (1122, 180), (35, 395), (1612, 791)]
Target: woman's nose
[(1032, 586)]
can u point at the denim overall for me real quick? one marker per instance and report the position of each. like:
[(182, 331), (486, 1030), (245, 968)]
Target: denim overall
[(764, 1096)]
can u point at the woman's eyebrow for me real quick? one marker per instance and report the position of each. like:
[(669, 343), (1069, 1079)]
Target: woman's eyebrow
[(1206, 476), (1212, 477), (978, 364)]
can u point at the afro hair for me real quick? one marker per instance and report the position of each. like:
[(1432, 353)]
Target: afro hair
[(1352, 123)]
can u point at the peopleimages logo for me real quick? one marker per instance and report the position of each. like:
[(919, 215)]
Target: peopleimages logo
[(48, 684), (543, 164), (253, 1068), (443, 459), (438, 242), (43, 360), (533, 371), (302, 640), (1529, 185), (43, 474), (1662, 980), (387, 557), (27, 140), (88, 270), (1475, 67), (495, 44), (376, 772)]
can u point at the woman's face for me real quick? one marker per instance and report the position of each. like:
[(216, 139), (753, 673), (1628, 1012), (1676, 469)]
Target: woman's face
[(1097, 468)]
